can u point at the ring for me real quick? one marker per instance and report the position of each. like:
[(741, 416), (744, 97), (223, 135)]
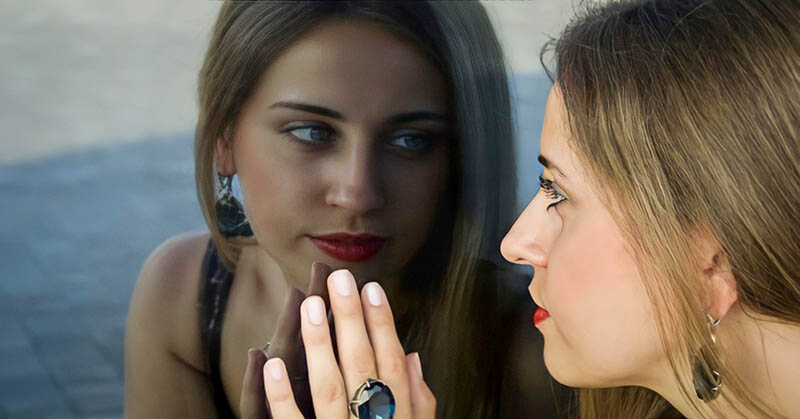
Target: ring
[(373, 400)]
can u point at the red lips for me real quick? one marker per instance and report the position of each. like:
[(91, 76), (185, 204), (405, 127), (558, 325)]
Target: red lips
[(540, 315), (349, 247)]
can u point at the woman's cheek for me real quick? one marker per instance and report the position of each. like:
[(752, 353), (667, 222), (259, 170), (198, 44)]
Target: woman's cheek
[(583, 279), (599, 303), (415, 195), (276, 198)]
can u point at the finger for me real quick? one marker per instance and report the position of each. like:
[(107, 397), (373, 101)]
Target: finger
[(251, 401), (389, 353), (319, 277), (325, 380), (423, 403), (286, 342), (287, 329), (318, 286), (279, 391), (355, 351)]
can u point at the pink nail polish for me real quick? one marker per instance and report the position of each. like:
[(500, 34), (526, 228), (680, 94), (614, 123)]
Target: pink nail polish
[(374, 294), (275, 369), (315, 310), (343, 282)]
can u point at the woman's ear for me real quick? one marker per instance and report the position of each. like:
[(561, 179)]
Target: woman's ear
[(717, 275), (223, 157)]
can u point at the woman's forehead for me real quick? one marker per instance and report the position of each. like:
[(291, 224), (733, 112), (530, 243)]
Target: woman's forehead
[(355, 67), (554, 141)]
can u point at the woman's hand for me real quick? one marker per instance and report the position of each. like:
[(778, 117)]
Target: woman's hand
[(287, 345), (358, 321)]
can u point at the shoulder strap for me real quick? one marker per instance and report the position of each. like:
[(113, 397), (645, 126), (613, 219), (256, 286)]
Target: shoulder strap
[(216, 286)]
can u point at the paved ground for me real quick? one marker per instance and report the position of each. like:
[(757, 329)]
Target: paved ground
[(76, 229), (93, 176)]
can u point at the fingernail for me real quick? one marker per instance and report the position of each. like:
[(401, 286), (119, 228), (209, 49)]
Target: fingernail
[(374, 293), (417, 365), (343, 282), (315, 310), (275, 369)]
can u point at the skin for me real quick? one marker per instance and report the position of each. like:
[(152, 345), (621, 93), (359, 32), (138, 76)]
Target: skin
[(372, 174), (368, 347), (601, 331), (368, 175), (583, 269)]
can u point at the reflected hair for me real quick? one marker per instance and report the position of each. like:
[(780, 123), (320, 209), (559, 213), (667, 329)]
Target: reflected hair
[(687, 117), (441, 278)]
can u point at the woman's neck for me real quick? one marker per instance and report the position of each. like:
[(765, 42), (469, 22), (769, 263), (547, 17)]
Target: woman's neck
[(765, 354), (266, 281)]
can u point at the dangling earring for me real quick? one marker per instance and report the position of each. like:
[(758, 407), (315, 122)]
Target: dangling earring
[(231, 219), (707, 381)]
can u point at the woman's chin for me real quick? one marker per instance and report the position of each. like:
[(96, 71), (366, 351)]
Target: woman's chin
[(565, 371)]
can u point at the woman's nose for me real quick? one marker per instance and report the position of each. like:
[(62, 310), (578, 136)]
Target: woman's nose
[(356, 182), (528, 239)]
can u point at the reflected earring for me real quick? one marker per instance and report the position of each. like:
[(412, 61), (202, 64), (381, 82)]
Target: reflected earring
[(231, 219), (706, 378)]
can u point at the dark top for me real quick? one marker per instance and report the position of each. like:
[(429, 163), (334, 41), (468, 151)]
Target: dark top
[(214, 290)]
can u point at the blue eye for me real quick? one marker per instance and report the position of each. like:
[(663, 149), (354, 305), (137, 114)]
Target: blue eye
[(314, 134), (411, 141), (551, 190)]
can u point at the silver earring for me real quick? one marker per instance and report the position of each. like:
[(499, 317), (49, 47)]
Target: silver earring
[(707, 381), (231, 219)]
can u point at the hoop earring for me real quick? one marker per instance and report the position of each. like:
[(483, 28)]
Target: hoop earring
[(231, 219), (707, 381)]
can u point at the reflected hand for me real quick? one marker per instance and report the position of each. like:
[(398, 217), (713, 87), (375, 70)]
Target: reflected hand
[(368, 347), (286, 343)]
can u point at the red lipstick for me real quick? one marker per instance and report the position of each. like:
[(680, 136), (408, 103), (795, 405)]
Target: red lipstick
[(349, 247), (540, 315)]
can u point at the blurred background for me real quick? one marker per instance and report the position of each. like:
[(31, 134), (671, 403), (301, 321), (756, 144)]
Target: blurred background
[(97, 109)]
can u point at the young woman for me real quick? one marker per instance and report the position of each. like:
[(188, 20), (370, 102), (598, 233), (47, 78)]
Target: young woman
[(665, 234), (366, 135)]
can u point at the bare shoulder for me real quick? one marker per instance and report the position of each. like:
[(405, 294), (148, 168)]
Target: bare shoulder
[(168, 288), (164, 365), (175, 257)]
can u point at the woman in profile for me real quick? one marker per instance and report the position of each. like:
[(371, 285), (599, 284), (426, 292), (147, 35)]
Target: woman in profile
[(368, 136), (665, 234)]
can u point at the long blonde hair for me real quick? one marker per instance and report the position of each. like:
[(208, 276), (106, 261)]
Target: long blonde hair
[(687, 115), (441, 280)]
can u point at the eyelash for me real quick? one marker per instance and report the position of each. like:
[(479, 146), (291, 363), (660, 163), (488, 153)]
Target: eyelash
[(288, 131), (547, 186), (429, 139)]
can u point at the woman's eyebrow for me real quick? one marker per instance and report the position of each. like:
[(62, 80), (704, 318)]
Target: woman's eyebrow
[(401, 118), (549, 165), (305, 107)]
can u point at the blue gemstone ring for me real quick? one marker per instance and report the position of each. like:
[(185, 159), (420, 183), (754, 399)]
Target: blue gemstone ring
[(373, 400)]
